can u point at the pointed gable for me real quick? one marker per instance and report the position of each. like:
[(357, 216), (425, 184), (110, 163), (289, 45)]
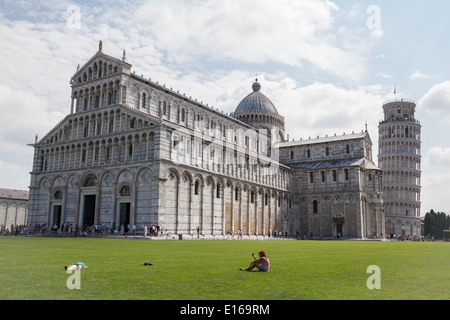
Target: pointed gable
[(98, 66)]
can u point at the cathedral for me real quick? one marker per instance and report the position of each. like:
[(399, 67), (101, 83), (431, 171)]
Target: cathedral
[(135, 152)]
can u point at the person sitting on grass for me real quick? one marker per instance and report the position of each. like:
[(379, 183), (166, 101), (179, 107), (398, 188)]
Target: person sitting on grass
[(263, 263), (77, 266)]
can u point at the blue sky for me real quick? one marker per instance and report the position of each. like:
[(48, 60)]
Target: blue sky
[(328, 66)]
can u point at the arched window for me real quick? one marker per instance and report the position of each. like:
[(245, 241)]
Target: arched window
[(196, 187), (218, 191), (58, 195), (144, 97), (125, 191), (315, 206), (89, 182)]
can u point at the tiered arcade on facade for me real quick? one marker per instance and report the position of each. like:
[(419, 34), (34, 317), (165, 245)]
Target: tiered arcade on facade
[(399, 157)]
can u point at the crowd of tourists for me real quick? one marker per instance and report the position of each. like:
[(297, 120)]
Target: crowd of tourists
[(406, 237), (95, 230), (153, 230), (16, 230), (71, 230)]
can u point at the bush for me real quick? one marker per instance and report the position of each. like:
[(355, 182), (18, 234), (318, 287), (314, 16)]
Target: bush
[(446, 235)]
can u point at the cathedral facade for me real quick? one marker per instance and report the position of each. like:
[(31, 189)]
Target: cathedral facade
[(134, 152)]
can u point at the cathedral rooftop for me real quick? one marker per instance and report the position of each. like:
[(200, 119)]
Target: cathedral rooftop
[(334, 164), (325, 139), (14, 194)]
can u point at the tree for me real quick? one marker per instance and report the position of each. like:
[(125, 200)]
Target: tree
[(435, 223), (446, 235), (428, 224)]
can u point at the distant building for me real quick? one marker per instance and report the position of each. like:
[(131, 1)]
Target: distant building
[(13, 207), (135, 152)]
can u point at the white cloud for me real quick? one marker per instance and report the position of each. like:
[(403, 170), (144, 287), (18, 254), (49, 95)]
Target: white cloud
[(376, 34), (23, 115), (14, 176), (164, 38), (437, 99), (438, 156), (286, 32), (435, 190), (386, 76), (418, 75)]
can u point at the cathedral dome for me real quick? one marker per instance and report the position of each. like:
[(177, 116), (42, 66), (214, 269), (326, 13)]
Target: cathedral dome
[(256, 103), (259, 112)]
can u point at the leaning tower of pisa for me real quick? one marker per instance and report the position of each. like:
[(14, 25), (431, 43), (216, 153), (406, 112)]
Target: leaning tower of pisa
[(399, 158)]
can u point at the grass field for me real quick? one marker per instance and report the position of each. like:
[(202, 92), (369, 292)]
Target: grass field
[(33, 268)]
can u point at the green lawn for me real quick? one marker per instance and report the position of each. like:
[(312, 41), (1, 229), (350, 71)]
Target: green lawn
[(33, 268)]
